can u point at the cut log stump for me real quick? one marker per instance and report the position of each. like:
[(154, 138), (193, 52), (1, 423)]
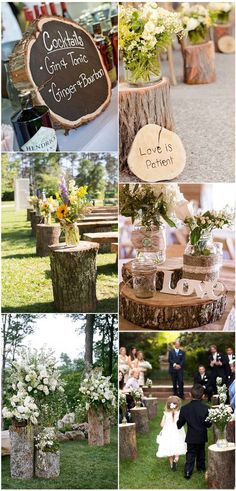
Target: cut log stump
[(139, 416), (31, 214), (169, 312), (106, 429), (95, 428), (220, 30), (73, 272), (151, 404), (28, 216), (199, 63), (46, 235), (128, 441), (35, 220), (139, 106), (48, 465), (174, 264), (221, 467), (230, 431), (22, 452)]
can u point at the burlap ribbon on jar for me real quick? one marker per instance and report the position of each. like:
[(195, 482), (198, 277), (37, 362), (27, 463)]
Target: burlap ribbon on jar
[(148, 240)]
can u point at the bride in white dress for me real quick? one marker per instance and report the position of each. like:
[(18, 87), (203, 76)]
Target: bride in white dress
[(171, 440)]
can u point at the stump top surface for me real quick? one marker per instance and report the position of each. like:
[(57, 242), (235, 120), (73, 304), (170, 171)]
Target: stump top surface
[(215, 448), (48, 225), (171, 264), (126, 87), (138, 409), (150, 398), (197, 47), (82, 246), (123, 425), (165, 299)]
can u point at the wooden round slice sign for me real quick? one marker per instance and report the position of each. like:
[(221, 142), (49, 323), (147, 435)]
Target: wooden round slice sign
[(59, 59), (226, 44), (157, 154)]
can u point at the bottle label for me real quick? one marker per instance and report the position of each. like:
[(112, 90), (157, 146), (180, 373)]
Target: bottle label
[(44, 140)]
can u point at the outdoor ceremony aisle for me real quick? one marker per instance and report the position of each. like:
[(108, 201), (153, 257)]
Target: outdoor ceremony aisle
[(26, 278), (153, 473)]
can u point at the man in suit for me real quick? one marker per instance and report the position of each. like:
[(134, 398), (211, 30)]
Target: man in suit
[(217, 362), (230, 358), (203, 378), (176, 365), (194, 414)]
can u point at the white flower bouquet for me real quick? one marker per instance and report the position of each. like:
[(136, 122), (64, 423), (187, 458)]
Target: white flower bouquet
[(45, 441), (137, 395), (196, 21), (220, 415), (149, 383), (219, 12), (98, 391), (144, 33), (122, 400), (221, 390)]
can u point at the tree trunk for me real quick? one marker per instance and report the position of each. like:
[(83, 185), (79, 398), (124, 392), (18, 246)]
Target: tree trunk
[(22, 452), (139, 106), (95, 429), (139, 416), (171, 264), (220, 30), (111, 342), (35, 220), (48, 466), (73, 272), (199, 63), (167, 312), (221, 467), (151, 404), (31, 214), (106, 429), (230, 431), (46, 235), (127, 441), (89, 326)]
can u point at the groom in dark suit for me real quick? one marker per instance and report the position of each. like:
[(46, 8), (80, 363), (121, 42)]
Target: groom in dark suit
[(176, 365)]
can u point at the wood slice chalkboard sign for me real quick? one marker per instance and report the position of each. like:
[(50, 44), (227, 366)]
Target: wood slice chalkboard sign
[(157, 154), (59, 59)]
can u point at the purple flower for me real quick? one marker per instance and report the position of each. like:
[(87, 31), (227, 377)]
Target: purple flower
[(38, 193), (63, 190)]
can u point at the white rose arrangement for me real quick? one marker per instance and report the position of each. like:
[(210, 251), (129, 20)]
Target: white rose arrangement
[(220, 415), (45, 441), (98, 391), (220, 11), (196, 21)]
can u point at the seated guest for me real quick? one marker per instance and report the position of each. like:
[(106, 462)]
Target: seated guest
[(133, 382), (203, 378), (232, 386)]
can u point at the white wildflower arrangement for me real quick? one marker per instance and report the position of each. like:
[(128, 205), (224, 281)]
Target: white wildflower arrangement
[(34, 378), (137, 394), (122, 399), (149, 383), (144, 33), (196, 21), (221, 390), (204, 223), (220, 415), (98, 391), (35, 202), (45, 441), (220, 11), (154, 204)]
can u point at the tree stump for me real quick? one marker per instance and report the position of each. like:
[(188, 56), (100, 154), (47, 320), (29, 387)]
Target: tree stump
[(128, 441), (95, 428), (22, 452), (106, 429), (151, 404), (35, 220), (174, 264), (46, 235), (230, 431), (169, 312), (221, 467), (74, 276), (139, 106), (48, 465), (220, 30), (28, 217), (31, 214), (199, 63), (139, 416)]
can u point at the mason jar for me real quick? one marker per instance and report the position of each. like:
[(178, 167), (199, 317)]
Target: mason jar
[(144, 277), (150, 243), (202, 261)]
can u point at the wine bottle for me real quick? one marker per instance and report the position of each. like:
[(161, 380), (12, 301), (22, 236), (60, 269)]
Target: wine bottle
[(36, 11), (113, 36), (44, 9), (104, 46), (33, 127), (64, 11), (53, 8), (29, 17)]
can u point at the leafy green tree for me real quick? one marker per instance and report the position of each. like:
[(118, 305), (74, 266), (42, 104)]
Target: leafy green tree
[(93, 175)]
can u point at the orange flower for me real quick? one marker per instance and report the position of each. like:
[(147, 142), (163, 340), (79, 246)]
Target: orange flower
[(62, 211)]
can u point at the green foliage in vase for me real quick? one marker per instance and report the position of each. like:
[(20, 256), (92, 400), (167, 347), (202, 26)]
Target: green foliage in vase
[(196, 21), (220, 11)]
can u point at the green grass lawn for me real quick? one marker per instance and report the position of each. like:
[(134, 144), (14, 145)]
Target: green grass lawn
[(82, 467), (150, 472), (26, 283)]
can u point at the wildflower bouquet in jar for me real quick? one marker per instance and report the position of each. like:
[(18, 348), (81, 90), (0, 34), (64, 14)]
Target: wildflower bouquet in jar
[(196, 21)]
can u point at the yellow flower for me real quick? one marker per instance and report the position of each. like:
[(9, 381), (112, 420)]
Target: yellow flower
[(82, 191), (62, 211)]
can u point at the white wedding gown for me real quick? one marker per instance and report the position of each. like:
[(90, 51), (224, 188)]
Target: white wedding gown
[(171, 440)]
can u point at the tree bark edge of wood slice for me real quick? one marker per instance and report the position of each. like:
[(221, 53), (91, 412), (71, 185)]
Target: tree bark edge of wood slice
[(139, 416), (95, 429), (199, 63), (221, 468)]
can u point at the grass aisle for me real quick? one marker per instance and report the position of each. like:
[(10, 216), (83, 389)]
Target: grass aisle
[(82, 467), (26, 283), (149, 472)]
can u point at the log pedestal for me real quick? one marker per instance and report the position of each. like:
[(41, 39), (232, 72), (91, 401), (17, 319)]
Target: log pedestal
[(199, 63), (95, 428), (22, 452), (46, 235), (28, 216), (151, 405), (50, 467), (230, 431), (73, 272), (221, 467), (35, 220), (106, 429), (220, 30), (139, 416), (139, 106), (128, 441)]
